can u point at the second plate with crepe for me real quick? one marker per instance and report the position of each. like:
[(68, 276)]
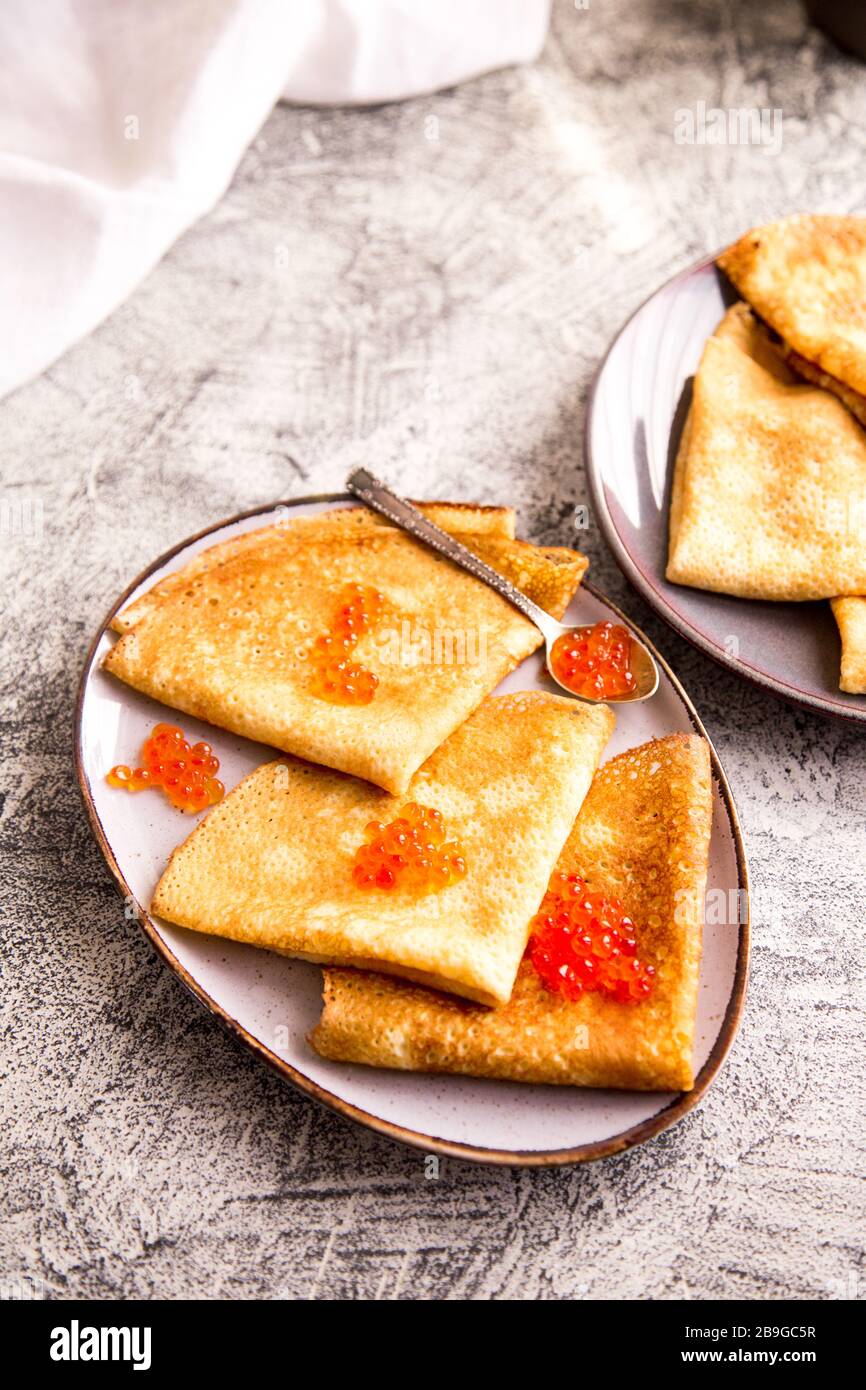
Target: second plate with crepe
[(636, 414)]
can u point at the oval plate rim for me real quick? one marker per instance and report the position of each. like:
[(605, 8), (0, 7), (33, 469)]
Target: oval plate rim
[(529, 1158)]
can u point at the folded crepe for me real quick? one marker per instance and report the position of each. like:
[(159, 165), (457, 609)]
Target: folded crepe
[(228, 638), (850, 615), (272, 864), (806, 278), (458, 518), (770, 478), (642, 835)]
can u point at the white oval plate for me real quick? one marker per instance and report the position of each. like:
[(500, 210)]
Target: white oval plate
[(272, 1003), (637, 409)]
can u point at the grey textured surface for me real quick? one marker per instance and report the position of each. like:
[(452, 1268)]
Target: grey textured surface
[(434, 307)]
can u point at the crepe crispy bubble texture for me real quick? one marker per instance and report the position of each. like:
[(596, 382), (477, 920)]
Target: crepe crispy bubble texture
[(272, 864), (769, 491), (643, 836), (228, 638), (339, 523)]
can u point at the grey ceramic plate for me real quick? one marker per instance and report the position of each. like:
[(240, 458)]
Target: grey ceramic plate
[(636, 412), (270, 1003)]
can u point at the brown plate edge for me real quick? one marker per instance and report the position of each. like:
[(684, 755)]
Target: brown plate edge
[(583, 1153), (636, 577)]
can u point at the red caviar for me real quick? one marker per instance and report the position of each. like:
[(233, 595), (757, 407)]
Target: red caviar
[(594, 661), (185, 772), (409, 852), (583, 941), (336, 677)]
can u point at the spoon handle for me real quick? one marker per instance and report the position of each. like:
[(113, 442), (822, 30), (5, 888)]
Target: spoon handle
[(403, 514)]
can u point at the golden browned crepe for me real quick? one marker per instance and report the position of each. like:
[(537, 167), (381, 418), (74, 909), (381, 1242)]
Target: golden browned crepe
[(458, 518), (642, 835), (228, 640), (806, 277), (850, 615), (770, 478), (272, 864)]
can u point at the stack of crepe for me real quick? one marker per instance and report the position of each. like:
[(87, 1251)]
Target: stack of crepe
[(439, 981), (769, 492)]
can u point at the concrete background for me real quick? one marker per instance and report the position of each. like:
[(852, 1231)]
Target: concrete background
[(427, 287)]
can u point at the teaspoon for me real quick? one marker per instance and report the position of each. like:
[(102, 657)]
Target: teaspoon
[(380, 498)]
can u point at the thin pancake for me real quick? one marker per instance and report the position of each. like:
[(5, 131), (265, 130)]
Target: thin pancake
[(232, 645), (458, 518), (806, 277), (769, 480), (642, 835), (271, 865), (850, 615)]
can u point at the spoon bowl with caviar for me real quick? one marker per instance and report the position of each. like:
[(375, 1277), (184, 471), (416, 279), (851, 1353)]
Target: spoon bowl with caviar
[(604, 663)]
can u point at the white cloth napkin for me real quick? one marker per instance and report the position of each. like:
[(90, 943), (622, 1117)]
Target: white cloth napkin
[(122, 122)]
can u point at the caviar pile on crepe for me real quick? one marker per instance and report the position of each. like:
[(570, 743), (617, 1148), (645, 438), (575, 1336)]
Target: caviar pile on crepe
[(310, 635), (769, 492), (606, 992), (275, 863), (483, 898), (572, 902)]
